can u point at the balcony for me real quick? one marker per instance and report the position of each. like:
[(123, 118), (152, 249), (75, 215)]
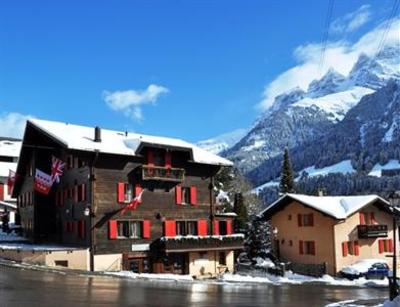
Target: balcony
[(199, 243), (163, 173), (372, 231)]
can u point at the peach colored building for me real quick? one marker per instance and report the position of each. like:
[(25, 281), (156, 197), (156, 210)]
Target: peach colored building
[(336, 230)]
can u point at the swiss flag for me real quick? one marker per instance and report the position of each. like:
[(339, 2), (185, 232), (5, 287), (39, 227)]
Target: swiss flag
[(133, 204)]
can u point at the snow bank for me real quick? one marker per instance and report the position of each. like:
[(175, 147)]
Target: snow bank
[(128, 274), (394, 303), (377, 169), (292, 278), (10, 237), (35, 247)]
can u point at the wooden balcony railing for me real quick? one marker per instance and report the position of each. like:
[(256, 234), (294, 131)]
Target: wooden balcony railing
[(192, 243), (372, 231), (163, 173)]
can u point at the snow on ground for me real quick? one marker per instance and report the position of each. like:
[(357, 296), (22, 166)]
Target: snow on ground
[(343, 167), (296, 279), (394, 303), (34, 247), (129, 274), (377, 169), (10, 237), (257, 144)]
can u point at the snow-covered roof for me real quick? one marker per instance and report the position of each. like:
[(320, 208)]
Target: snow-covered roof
[(339, 207), (118, 142), (10, 148), (5, 168)]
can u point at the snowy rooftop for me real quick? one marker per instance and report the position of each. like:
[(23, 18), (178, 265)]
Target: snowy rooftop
[(117, 142), (5, 168), (339, 207), (10, 148)]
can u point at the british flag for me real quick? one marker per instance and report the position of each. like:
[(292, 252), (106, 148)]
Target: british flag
[(57, 167)]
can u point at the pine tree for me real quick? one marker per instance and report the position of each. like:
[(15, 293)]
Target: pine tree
[(258, 239), (242, 219), (286, 185)]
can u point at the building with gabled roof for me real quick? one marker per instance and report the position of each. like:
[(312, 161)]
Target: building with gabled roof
[(174, 225), (335, 230)]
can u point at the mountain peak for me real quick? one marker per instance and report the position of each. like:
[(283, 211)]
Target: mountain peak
[(328, 84)]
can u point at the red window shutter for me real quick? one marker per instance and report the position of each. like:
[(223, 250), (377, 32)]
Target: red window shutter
[(381, 246), (373, 221), (345, 249), (138, 190), (150, 158), (146, 229), (81, 229), (313, 248), (390, 245), (170, 228), (121, 192), (301, 252), (76, 228), (66, 226), (178, 195), (356, 248), (65, 196), (202, 227), (229, 227), (83, 192), (76, 194), (168, 160), (216, 228), (311, 219), (299, 220), (193, 195), (362, 218), (112, 229), (1, 191)]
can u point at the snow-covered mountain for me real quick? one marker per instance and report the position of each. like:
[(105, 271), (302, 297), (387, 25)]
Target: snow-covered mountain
[(299, 117), (222, 142)]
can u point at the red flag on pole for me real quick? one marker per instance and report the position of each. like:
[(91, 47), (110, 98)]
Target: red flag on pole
[(133, 204), (10, 181)]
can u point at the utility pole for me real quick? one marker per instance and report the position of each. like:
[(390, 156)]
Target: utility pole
[(393, 287)]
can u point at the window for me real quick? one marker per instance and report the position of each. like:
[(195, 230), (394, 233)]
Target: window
[(185, 195), (70, 162), (290, 243), (184, 228), (159, 158), (307, 247), (129, 229), (350, 248), (222, 258), (305, 220), (289, 217), (222, 228), (203, 255)]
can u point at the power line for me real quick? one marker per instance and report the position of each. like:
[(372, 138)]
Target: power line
[(389, 22), (325, 36)]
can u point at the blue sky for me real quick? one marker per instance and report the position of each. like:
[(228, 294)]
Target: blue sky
[(188, 69)]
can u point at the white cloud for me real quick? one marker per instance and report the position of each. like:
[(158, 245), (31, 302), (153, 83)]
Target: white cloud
[(340, 55), (13, 124), (130, 101), (351, 21)]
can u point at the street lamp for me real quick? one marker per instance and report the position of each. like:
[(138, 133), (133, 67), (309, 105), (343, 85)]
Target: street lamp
[(394, 198)]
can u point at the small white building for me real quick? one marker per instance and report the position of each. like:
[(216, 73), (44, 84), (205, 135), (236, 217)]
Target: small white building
[(9, 152)]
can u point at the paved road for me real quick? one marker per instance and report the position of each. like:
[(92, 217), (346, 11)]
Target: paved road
[(20, 287)]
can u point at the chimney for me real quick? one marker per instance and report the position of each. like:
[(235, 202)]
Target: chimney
[(97, 134)]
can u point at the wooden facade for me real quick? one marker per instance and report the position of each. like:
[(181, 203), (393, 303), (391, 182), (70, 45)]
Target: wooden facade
[(85, 208)]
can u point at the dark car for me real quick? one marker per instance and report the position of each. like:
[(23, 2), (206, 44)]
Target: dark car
[(377, 271)]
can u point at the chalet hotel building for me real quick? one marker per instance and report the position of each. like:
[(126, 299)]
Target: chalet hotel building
[(175, 227)]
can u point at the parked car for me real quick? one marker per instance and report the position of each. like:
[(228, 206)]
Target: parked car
[(369, 268)]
